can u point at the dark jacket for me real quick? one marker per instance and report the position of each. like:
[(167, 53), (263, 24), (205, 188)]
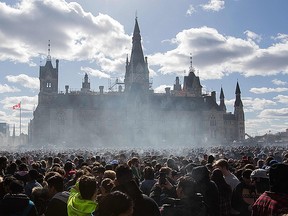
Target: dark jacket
[(17, 205), (143, 205), (185, 207), (207, 188), (58, 204), (160, 195)]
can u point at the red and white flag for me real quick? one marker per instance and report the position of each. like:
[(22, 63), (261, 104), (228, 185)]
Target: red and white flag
[(17, 106)]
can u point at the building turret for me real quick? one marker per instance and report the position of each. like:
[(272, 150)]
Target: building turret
[(222, 101), (48, 77), (177, 85), (239, 114), (192, 82), (137, 73), (85, 84)]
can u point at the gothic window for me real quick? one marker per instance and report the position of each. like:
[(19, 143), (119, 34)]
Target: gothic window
[(212, 121), (49, 85)]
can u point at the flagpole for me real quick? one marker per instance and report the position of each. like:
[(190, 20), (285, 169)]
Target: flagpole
[(20, 118)]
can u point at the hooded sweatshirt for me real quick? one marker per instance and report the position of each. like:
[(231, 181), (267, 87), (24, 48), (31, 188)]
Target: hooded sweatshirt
[(78, 206), (17, 204)]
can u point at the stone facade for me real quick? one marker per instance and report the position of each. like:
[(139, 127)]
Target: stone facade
[(134, 115)]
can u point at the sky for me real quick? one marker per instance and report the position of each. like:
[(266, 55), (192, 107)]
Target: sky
[(228, 40)]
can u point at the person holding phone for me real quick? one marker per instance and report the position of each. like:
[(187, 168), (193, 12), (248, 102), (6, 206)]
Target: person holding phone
[(164, 188)]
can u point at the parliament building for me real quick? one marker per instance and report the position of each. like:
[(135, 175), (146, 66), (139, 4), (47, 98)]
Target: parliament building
[(133, 115)]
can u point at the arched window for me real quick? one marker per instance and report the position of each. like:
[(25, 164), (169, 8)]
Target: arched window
[(212, 120)]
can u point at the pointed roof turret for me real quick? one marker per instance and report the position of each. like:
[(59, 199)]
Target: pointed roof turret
[(222, 94), (137, 52), (137, 72), (238, 101), (237, 91), (222, 101)]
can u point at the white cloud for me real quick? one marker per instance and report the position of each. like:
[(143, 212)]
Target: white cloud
[(8, 89), (27, 103), (190, 10), (281, 37), (74, 33), (78, 35), (252, 36), (253, 104), (217, 55), (274, 113), (25, 80), (94, 72), (278, 82), (214, 5), (282, 99), (265, 90)]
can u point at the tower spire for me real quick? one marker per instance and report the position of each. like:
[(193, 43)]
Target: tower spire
[(238, 101), (49, 49), (222, 100), (191, 62)]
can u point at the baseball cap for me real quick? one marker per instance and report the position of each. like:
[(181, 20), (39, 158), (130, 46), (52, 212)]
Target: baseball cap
[(259, 173)]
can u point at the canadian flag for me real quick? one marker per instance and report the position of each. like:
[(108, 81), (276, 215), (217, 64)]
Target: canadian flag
[(17, 106)]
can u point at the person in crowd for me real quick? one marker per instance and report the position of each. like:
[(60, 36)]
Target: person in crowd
[(143, 205), (11, 169), (171, 163), (4, 185), (225, 192), (260, 179), (58, 198), (32, 177), (274, 201), (229, 177), (115, 204), (3, 165), (69, 171), (207, 188), (82, 198), (149, 180), (164, 188), (135, 167), (260, 163), (98, 172), (22, 172), (188, 202), (106, 187), (244, 195), (109, 174), (16, 202), (40, 198)]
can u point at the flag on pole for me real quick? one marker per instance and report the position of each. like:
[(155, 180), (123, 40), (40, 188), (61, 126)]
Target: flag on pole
[(17, 106)]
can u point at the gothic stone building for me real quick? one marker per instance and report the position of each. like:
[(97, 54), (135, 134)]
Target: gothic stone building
[(133, 115)]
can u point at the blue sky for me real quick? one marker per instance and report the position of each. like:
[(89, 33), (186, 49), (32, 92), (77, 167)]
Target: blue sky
[(231, 40)]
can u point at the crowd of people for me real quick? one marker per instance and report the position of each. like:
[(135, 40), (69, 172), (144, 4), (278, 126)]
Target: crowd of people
[(215, 181)]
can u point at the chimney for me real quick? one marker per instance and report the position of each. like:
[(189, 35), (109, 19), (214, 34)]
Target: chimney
[(120, 88), (66, 89), (213, 95), (57, 63), (101, 89)]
